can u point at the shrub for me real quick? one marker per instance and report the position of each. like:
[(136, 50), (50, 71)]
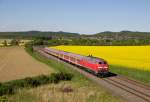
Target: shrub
[(16, 83), (10, 87), (6, 89), (68, 76), (53, 78), (64, 76), (31, 82), (43, 79), (3, 99)]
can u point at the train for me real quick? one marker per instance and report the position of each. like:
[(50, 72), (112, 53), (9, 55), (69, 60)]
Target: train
[(96, 65)]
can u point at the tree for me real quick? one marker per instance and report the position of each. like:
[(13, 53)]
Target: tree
[(14, 42), (5, 43)]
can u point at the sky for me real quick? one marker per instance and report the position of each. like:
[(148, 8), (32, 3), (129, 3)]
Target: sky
[(78, 16)]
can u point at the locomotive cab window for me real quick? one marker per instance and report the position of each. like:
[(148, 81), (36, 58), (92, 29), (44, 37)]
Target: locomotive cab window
[(105, 62), (100, 62)]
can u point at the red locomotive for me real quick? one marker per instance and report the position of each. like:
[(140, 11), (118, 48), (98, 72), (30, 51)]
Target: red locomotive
[(97, 65)]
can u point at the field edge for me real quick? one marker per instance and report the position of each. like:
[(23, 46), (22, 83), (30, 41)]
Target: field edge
[(135, 74)]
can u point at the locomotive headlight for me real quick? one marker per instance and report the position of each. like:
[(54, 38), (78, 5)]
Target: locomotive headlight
[(100, 67)]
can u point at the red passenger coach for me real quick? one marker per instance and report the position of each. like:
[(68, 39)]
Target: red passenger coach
[(97, 65)]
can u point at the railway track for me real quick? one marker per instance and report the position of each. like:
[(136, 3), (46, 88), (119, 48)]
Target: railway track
[(130, 90), (146, 86), (130, 87)]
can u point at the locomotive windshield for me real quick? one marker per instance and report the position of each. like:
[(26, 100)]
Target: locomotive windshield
[(100, 62), (103, 62)]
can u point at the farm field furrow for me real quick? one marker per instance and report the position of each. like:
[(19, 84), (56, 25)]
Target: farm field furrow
[(15, 63), (137, 57)]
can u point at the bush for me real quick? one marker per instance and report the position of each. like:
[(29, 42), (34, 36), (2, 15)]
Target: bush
[(29, 47), (3, 99), (43, 79), (32, 82), (54, 78), (68, 76), (16, 83), (64, 76), (9, 87), (12, 86), (6, 89)]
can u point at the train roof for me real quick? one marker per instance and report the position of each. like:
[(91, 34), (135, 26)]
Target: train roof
[(89, 58)]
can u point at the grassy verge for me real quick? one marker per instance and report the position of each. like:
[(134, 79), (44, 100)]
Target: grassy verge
[(63, 92), (79, 89), (132, 73)]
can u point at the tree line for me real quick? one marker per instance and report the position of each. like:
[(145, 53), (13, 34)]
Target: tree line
[(90, 42), (66, 38)]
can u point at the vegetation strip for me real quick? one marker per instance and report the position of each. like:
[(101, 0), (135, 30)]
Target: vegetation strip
[(12, 86)]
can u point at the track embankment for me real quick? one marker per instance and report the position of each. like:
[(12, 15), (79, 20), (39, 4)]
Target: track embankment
[(129, 90)]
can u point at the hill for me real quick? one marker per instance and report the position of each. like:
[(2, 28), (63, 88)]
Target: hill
[(122, 35), (31, 34)]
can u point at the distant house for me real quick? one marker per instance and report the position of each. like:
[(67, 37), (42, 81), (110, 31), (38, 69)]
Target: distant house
[(23, 42), (8, 44), (1, 44), (5, 42)]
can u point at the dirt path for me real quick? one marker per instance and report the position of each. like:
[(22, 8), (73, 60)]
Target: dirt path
[(15, 63)]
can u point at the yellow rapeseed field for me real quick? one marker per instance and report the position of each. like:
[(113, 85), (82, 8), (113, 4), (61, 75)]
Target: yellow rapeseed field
[(128, 56)]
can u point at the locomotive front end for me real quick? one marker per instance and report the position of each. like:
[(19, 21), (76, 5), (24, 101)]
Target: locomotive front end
[(103, 67)]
